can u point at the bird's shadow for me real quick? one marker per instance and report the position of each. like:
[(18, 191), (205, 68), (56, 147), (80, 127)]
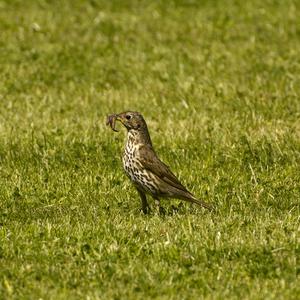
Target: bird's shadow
[(171, 210)]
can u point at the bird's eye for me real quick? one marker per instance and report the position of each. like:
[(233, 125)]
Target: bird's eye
[(128, 117)]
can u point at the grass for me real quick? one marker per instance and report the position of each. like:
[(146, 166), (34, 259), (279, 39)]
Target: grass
[(218, 83)]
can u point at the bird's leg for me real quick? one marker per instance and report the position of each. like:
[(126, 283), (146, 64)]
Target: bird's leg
[(145, 206), (159, 208)]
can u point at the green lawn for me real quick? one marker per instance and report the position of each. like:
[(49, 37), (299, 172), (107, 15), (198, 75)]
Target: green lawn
[(219, 85)]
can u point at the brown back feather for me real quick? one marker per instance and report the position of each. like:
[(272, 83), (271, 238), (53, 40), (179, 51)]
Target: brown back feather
[(151, 162)]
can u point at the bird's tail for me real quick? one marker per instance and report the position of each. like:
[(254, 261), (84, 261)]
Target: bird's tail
[(187, 196), (201, 203)]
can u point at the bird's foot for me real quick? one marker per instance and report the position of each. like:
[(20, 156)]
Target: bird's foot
[(146, 210), (161, 211)]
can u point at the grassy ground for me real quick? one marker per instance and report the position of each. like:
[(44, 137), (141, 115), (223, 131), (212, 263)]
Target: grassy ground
[(218, 83)]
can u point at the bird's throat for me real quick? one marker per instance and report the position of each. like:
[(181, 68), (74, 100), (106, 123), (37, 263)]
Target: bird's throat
[(139, 137)]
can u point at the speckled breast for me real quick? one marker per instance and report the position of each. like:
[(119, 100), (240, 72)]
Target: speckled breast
[(130, 162), (134, 169)]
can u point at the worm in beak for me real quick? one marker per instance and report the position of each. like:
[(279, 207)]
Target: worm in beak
[(111, 121)]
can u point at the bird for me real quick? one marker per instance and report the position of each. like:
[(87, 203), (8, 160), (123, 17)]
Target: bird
[(142, 165)]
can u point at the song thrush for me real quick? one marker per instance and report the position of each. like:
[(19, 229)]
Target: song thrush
[(141, 164)]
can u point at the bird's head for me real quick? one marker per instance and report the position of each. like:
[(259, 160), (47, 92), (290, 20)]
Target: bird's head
[(130, 119)]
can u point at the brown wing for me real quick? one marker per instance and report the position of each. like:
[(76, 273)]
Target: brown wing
[(151, 162)]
